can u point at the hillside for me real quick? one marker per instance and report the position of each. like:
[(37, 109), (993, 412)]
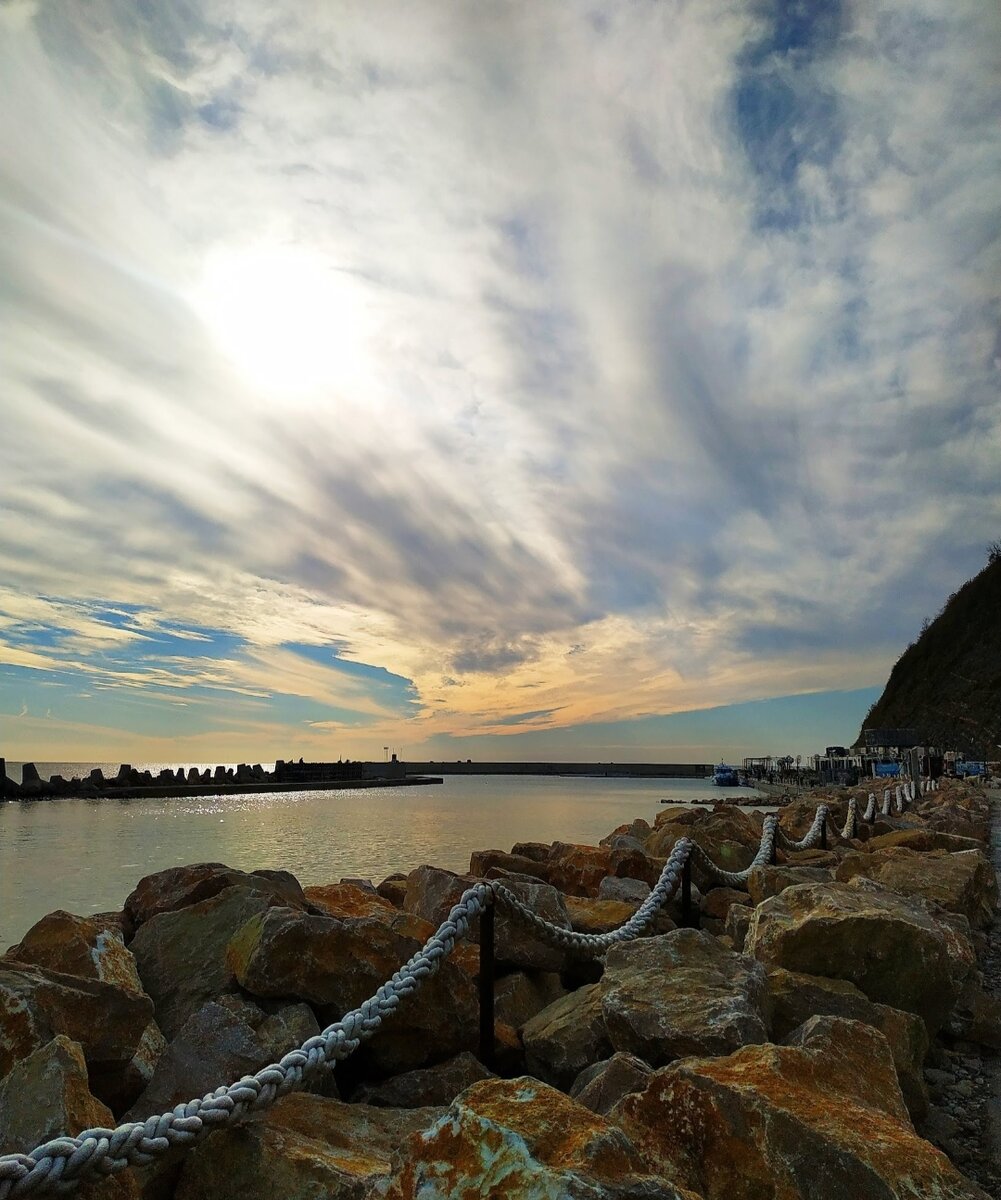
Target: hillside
[(947, 684)]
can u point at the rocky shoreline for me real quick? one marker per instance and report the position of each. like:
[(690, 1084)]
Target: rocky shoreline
[(832, 1031)]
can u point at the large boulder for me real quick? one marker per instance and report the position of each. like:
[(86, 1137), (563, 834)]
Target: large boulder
[(566, 1037), (793, 998), (922, 839), (518, 997), (431, 893), (730, 836), (214, 1046), (602, 1085), (334, 965), (683, 993), (305, 1148), (427, 1086), (579, 870), (45, 1096), (181, 953), (961, 882), (764, 882), (37, 1005), (820, 1119), (89, 947), (481, 862), (178, 887), (893, 949), (347, 900), (518, 1137)]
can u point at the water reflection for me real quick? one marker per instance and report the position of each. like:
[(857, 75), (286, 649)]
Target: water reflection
[(87, 855)]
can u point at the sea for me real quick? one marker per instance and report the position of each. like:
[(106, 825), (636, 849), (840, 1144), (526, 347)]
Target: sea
[(87, 855)]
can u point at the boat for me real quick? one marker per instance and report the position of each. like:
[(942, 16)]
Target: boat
[(724, 776)]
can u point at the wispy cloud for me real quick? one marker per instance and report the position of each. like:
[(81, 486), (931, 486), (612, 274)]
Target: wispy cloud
[(644, 356)]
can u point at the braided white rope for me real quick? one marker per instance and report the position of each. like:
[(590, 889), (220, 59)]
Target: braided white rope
[(850, 827), (61, 1164), (870, 810)]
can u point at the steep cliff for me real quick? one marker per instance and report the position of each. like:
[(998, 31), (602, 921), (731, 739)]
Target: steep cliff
[(947, 684)]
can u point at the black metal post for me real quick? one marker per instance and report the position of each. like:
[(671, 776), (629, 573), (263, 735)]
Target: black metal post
[(823, 835), (686, 895), (487, 987)]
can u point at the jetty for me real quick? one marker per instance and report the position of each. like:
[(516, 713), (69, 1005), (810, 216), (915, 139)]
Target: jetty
[(130, 783), (721, 1005)]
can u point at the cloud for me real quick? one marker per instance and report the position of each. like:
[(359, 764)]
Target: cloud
[(458, 340)]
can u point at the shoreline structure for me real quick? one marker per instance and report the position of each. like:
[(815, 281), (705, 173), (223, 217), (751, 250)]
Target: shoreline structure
[(302, 776), (793, 974)]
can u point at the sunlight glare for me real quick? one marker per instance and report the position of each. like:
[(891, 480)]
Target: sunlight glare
[(287, 319)]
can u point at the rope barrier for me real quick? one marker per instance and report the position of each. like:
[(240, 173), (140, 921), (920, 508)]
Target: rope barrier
[(61, 1164)]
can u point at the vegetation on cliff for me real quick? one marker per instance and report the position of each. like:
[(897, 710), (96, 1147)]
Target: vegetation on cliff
[(947, 684)]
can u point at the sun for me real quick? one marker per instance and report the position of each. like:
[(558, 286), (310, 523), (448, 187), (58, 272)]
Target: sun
[(286, 318)]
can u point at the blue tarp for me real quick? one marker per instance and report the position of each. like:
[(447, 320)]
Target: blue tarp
[(886, 768), (969, 768)]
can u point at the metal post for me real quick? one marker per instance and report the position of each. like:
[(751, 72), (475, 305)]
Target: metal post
[(686, 895), (487, 987), (823, 835)]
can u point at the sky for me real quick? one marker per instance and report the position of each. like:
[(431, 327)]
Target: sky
[(521, 379)]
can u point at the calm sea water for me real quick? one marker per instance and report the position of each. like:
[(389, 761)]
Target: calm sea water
[(87, 855)]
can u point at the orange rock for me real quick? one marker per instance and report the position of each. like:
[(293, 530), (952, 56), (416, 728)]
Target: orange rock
[(335, 965), (819, 1120), (892, 948), (961, 882), (305, 1148), (45, 1096), (578, 870), (83, 946), (520, 1138), (346, 900), (108, 1021)]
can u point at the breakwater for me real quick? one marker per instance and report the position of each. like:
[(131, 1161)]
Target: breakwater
[(780, 1005), (604, 770), (131, 783)]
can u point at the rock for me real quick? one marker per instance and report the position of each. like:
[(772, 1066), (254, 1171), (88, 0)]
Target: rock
[(287, 1029), (666, 997), (516, 946), (717, 901), (764, 882), (794, 998), (598, 916), (179, 887), (961, 881), (922, 839), (181, 953), (519, 1138), (633, 891), (212, 1047), (481, 861), (728, 835), (601, 1086), (45, 1096), (439, 1084), (976, 1016), (889, 947), (738, 921), (305, 1148), (36, 1005), (347, 900), (639, 830), (578, 870), (334, 965), (521, 995), (536, 851), (566, 1037), (821, 1119), (81, 946), (394, 889), (432, 892)]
